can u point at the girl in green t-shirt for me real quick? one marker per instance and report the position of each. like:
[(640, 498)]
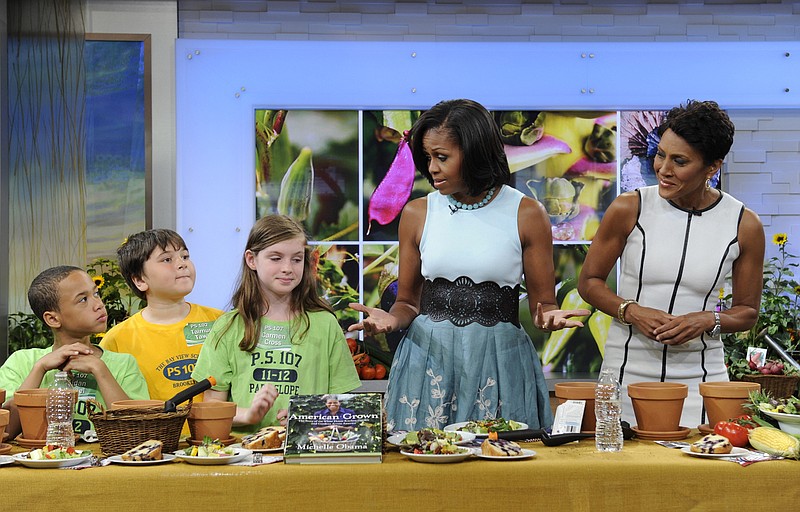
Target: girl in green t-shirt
[(281, 338)]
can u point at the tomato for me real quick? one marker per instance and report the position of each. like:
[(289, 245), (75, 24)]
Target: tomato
[(380, 371), (745, 420), (735, 433), (352, 344), (368, 373)]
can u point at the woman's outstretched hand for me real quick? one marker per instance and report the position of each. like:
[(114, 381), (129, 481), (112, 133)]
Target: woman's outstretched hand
[(556, 319), (376, 320)]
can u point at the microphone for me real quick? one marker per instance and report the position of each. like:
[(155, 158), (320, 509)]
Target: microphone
[(186, 394), (453, 209)]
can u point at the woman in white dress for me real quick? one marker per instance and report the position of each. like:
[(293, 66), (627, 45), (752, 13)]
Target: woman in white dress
[(676, 242), (463, 251)]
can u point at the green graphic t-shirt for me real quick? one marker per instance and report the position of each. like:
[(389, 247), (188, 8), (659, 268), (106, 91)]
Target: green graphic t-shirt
[(122, 366), (319, 363)]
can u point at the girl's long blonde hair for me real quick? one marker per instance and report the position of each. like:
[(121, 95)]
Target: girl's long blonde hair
[(249, 300)]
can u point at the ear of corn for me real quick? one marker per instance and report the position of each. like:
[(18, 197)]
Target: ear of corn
[(774, 442)]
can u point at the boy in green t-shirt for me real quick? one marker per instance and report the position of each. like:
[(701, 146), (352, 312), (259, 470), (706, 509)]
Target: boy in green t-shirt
[(66, 299)]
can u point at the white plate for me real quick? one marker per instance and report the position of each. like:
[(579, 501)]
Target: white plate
[(789, 423), (454, 457), (6, 459), (117, 459), (526, 454), (456, 426), (23, 459), (734, 453), (239, 454), (397, 439)]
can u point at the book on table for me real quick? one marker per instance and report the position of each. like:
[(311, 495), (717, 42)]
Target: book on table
[(335, 428)]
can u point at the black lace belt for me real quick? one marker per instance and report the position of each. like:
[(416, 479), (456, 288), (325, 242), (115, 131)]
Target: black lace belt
[(464, 302)]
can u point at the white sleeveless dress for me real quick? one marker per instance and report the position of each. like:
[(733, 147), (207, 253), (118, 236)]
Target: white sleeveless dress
[(457, 369), (675, 260)]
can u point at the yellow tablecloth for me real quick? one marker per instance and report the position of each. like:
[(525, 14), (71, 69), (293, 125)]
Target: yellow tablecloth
[(644, 476)]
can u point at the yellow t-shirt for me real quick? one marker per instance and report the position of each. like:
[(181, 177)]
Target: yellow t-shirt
[(166, 354)]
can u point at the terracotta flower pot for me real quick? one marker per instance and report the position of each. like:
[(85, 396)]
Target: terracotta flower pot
[(120, 404), (658, 405), (724, 400), (32, 407), (213, 419), (2, 396), (579, 391), (4, 419)]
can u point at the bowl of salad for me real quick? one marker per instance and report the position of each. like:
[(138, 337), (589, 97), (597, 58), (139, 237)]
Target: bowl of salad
[(482, 428), (786, 411)]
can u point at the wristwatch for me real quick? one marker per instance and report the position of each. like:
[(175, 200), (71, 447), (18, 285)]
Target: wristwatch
[(717, 329)]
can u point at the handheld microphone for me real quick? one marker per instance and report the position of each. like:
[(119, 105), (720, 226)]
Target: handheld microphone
[(186, 394)]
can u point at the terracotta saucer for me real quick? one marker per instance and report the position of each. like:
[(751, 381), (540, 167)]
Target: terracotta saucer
[(5, 448), (705, 428), (224, 442), (681, 433), (30, 443)]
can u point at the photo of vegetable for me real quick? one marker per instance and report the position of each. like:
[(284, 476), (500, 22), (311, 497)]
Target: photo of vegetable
[(566, 160), (390, 178), (379, 274), (638, 142), (337, 278), (579, 349), (307, 168)]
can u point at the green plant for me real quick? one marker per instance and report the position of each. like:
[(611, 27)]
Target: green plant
[(25, 330), (778, 315)]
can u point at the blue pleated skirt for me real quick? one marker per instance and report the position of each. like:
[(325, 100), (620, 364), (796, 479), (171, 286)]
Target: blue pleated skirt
[(443, 374)]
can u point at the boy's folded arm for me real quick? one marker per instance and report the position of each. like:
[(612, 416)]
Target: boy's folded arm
[(108, 385)]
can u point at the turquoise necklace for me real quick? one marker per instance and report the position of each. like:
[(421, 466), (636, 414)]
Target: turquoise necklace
[(458, 205)]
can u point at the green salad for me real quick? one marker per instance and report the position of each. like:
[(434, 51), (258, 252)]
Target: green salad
[(493, 425)]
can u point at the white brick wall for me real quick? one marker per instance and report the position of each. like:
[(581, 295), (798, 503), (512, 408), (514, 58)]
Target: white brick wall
[(763, 168)]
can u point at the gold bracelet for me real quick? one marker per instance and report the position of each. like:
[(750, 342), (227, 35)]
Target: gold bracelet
[(621, 310)]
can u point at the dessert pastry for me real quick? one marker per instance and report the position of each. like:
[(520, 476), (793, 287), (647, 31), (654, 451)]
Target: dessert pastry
[(712, 443), (148, 450), (267, 437), (500, 448)]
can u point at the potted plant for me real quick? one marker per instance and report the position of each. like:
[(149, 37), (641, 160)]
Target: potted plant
[(777, 318)]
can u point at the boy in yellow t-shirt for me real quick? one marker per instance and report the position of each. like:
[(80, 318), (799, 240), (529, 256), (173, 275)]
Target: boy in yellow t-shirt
[(166, 336)]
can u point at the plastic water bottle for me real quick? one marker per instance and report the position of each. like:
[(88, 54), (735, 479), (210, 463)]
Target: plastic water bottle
[(608, 412), (60, 407)]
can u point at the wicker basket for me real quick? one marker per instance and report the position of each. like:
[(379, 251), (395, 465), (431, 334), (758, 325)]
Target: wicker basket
[(778, 386), (121, 429)]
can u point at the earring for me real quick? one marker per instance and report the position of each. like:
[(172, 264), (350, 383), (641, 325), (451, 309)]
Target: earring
[(708, 184)]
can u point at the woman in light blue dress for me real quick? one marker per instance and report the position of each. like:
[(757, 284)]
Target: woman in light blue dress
[(464, 250)]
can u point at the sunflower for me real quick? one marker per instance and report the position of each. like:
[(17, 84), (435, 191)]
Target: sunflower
[(780, 239), (99, 281)]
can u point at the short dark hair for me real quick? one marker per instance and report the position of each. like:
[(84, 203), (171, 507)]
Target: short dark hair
[(702, 124), (135, 251), (43, 293), (472, 128)]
